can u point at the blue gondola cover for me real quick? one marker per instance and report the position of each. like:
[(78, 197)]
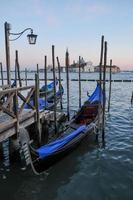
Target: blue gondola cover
[(97, 95), (50, 86), (52, 147)]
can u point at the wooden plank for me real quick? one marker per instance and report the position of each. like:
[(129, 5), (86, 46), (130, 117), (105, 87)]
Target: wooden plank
[(26, 115), (7, 91), (26, 100), (5, 110), (9, 100), (7, 125)]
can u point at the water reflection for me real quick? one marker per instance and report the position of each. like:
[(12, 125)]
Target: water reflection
[(92, 171)]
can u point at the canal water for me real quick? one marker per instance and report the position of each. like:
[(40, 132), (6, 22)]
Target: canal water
[(92, 171)]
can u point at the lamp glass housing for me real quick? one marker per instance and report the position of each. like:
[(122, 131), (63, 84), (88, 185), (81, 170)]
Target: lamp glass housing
[(32, 38)]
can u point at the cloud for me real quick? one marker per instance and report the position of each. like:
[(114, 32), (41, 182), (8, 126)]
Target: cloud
[(46, 13), (96, 9), (38, 7), (84, 8)]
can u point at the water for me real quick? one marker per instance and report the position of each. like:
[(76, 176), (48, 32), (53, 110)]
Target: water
[(91, 172)]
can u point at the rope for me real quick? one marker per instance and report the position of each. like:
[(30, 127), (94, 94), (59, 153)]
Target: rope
[(25, 149)]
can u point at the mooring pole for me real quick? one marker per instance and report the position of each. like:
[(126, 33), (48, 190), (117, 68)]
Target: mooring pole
[(26, 76), (67, 79), (60, 86), (110, 81), (54, 77), (18, 69), (101, 60), (7, 49), (1, 71), (6, 157), (37, 107), (45, 78), (132, 100), (104, 90), (16, 75), (79, 83), (37, 71), (100, 82)]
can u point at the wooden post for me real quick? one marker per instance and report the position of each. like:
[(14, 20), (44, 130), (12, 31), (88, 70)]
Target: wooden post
[(37, 71), (100, 81), (60, 86), (18, 69), (45, 78), (37, 107), (6, 156), (110, 81), (16, 74), (132, 100), (54, 77), (15, 103), (1, 70), (79, 83), (45, 132), (67, 80), (7, 49), (104, 89), (26, 76), (101, 59)]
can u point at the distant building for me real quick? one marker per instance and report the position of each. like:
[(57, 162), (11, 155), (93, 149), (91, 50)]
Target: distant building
[(49, 69), (115, 68), (84, 66), (89, 67)]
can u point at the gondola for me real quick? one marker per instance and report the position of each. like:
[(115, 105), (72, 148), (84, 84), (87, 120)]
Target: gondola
[(81, 125), (49, 104), (49, 89)]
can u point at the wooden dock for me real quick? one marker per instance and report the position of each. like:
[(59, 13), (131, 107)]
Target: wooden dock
[(14, 116)]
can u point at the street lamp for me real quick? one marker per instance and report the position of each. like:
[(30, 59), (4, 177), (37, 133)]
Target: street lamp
[(31, 39)]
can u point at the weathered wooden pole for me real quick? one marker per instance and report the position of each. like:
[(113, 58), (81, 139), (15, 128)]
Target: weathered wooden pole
[(26, 76), (7, 50), (67, 80), (54, 77), (37, 107), (16, 76), (60, 86), (132, 100), (18, 68), (45, 78), (101, 59), (100, 82), (104, 89), (1, 71), (79, 82), (6, 156), (37, 71), (110, 81)]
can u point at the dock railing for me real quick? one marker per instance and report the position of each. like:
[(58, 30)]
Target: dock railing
[(12, 110)]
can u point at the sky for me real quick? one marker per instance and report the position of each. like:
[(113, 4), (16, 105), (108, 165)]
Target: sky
[(74, 24)]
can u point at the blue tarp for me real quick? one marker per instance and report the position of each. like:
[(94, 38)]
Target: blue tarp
[(41, 101), (52, 147), (50, 86), (97, 95), (61, 91)]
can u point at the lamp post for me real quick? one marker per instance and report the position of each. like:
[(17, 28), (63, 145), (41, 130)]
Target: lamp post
[(31, 39)]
